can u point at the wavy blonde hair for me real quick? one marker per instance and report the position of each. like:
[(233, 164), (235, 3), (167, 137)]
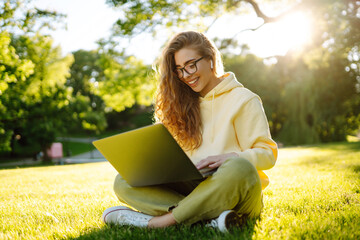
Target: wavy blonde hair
[(177, 105)]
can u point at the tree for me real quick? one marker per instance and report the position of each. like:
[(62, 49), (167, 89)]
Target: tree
[(112, 82), (13, 71), (44, 97), (87, 108), (84, 71), (333, 60), (127, 80), (15, 16), (18, 16), (35, 103)]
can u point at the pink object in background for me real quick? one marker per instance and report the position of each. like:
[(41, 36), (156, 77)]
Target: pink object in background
[(55, 151)]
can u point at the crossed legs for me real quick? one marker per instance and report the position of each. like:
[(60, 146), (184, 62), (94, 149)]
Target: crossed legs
[(235, 185)]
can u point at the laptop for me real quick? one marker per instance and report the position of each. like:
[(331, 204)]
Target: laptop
[(149, 156)]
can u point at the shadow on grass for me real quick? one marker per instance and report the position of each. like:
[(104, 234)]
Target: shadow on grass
[(35, 165), (174, 232), (340, 146), (356, 168), (39, 165)]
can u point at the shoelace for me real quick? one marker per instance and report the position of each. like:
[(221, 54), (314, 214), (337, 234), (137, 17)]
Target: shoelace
[(213, 223)]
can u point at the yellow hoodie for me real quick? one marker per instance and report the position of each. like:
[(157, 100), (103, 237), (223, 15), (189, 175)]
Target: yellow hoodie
[(234, 121)]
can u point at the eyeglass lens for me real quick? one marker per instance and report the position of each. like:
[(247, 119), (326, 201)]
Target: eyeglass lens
[(189, 69)]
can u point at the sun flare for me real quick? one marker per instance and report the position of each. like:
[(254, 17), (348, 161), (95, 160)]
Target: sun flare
[(295, 29), (290, 33)]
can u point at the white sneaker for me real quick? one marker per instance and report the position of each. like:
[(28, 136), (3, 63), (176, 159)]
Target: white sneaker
[(225, 221), (125, 216)]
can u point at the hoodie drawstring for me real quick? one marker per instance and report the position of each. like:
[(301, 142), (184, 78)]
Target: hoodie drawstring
[(212, 117)]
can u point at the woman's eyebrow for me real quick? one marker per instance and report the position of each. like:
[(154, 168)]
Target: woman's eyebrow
[(187, 62)]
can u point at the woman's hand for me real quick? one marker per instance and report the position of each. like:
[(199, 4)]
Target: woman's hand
[(215, 161)]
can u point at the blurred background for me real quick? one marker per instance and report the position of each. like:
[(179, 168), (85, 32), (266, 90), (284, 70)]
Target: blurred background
[(83, 69)]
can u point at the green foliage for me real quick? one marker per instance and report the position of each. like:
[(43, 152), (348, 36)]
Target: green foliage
[(300, 101), (31, 76), (35, 103), (19, 16), (13, 71), (44, 95), (87, 108), (82, 116), (127, 81), (109, 82), (333, 62), (41, 96), (84, 71), (313, 194), (147, 16)]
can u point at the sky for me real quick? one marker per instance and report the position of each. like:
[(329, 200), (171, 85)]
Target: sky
[(89, 20)]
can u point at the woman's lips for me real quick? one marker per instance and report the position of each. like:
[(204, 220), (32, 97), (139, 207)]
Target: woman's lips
[(192, 82)]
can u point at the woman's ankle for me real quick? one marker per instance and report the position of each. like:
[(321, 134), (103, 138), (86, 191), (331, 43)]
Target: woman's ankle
[(162, 221)]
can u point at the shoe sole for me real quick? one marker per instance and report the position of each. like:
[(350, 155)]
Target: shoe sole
[(228, 219), (111, 210), (232, 220)]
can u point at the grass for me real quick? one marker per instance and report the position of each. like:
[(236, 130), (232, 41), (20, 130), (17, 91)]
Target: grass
[(76, 148), (314, 194)]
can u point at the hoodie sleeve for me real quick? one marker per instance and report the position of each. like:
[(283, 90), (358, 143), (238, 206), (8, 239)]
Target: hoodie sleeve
[(253, 135)]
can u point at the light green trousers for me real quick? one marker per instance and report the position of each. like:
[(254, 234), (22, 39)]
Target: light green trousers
[(235, 185)]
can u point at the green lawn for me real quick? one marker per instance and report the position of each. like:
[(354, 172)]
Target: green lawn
[(76, 148), (314, 194)]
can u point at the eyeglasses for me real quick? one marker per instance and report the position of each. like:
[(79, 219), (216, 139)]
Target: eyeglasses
[(189, 68)]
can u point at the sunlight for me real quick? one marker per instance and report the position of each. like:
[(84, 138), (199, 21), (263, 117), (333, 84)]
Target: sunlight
[(296, 29), (292, 32)]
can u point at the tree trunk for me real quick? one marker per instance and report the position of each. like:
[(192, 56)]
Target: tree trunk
[(46, 157)]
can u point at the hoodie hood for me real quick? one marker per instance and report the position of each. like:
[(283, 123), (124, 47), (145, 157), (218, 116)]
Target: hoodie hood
[(227, 83)]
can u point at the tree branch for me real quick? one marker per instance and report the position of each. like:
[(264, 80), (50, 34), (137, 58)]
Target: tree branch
[(268, 19), (260, 13), (216, 18), (249, 29)]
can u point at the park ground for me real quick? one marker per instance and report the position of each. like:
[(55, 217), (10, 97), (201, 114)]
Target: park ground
[(314, 194)]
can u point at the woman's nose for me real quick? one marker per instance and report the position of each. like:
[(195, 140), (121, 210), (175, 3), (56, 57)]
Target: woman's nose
[(185, 74)]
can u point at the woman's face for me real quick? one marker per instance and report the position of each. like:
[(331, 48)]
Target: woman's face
[(201, 81)]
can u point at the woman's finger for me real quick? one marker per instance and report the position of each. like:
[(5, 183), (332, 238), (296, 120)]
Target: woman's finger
[(215, 165), (203, 163)]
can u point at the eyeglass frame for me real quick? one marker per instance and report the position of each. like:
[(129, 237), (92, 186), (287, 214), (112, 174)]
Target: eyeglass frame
[(183, 68)]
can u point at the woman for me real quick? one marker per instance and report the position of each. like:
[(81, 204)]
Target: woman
[(220, 124)]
